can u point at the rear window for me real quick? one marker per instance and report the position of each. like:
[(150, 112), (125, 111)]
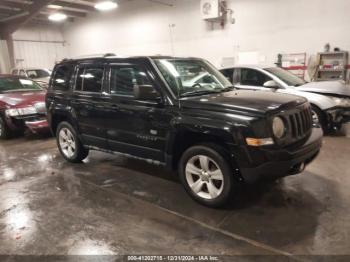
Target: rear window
[(38, 73), (62, 76), (15, 84), (89, 80)]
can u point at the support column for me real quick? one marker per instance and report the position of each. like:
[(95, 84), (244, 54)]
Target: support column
[(11, 50)]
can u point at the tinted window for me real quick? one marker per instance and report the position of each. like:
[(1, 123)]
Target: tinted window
[(124, 78), (89, 80), (37, 73), (92, 81), (79, 81), (253, 77), (228, 73), (62, 77)]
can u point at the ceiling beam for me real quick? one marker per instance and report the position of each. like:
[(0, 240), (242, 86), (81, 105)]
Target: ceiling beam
[(30, 11), (68, 13), (76, 5)]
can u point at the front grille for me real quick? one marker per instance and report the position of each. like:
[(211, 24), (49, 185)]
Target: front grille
[(300, 122)]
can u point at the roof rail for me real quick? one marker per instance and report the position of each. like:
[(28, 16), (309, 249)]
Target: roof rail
[(90, 56)]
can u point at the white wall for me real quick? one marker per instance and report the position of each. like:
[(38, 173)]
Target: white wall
[(39, 46), (265, 26)]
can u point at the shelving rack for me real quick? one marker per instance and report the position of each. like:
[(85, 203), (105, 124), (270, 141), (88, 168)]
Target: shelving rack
[(295, 62), (332, 66)]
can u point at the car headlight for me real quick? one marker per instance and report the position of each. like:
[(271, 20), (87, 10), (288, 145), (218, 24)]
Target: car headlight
[(11, 112), (341, 101), (21, 111), (278, 127)]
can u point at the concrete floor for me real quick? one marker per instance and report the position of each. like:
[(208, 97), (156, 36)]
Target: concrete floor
[(112, 205)]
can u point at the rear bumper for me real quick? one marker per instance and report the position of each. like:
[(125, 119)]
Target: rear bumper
[(286, 162)]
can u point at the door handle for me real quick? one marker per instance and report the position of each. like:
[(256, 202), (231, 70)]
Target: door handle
[(115, 107)]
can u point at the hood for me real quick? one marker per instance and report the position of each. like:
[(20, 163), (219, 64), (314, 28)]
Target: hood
[(22, 99), (246, 101), (45, 80), (326, 87)]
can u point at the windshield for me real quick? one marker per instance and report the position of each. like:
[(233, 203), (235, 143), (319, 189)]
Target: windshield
[(15, 84), (286, 76), (38, 73), (192, 76)]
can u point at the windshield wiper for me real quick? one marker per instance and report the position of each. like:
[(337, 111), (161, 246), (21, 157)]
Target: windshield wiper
[(199, 92), (228, 88)]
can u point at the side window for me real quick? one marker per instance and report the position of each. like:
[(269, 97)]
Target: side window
[(89, 80), (62, 77), (236, 79), (228, 73), (79, 81), (124, 78), (15, 72), (32, 74), (22, 73), (253, 77)]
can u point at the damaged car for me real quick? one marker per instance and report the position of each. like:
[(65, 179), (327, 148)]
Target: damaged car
[(330, 100), (22, 106)]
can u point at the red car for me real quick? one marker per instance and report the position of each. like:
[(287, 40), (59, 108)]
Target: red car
[(22, 106)]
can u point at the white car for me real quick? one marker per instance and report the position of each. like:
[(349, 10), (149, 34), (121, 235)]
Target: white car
[(330, 100), (39, 75)]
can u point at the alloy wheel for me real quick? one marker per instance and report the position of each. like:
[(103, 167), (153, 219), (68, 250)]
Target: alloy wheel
[(204, 177), (315, 118), (67, 142)]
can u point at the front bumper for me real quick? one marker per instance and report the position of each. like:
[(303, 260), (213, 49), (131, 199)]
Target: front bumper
[(283, 162), (35, 123), (338, 116), (38, 126)]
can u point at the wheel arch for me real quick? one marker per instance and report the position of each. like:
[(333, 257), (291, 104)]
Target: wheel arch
[(58, 118), (185, 138)]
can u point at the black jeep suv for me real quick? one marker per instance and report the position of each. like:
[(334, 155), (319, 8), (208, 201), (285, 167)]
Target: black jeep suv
[(181, 113)]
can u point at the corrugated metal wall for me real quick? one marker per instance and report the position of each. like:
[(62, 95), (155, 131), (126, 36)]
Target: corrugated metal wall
[(42, 54), (4, 58)]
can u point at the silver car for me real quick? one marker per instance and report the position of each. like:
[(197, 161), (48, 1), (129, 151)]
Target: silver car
[(39, 75), (330, 100)]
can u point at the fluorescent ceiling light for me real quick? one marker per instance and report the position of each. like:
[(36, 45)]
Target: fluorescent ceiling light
[(57, 17), (106, 5), (54, 6)]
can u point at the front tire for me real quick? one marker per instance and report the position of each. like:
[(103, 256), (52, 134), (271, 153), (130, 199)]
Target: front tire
[(320, 119), (207, 175), (4, 130), (69, 144)]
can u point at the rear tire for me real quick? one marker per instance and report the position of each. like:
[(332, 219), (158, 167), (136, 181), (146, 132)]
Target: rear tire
[(4, 129), (69, 144), (207, 175)]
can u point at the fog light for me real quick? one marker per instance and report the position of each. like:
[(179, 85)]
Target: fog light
[(259, 141)]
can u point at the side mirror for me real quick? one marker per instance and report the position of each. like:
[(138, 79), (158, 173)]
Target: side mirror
[(146, 92), (271, 84)]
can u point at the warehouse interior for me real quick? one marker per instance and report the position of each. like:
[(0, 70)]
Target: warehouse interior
[(111, 206)]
